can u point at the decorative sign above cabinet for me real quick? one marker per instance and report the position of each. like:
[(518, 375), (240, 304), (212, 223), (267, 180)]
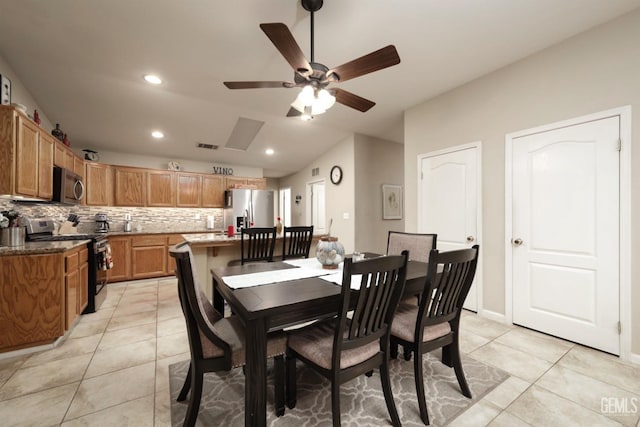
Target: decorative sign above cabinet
[(219, 170)]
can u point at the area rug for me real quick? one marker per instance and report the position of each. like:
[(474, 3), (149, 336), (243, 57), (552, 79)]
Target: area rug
[(362, 401)]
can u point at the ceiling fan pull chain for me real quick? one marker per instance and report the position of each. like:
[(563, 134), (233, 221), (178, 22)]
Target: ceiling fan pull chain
[(312, 36)]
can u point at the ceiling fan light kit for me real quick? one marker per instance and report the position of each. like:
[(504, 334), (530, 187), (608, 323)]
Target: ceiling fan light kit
[(313, 77)]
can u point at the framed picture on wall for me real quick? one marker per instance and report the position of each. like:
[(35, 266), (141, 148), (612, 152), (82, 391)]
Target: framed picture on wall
[(5, 90), (391, 201)]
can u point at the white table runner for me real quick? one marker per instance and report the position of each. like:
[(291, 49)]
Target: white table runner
[(266, 277)]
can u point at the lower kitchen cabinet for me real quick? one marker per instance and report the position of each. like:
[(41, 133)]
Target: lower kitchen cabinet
[(121, 257), (76, 283), (148, 256), (41, 296)]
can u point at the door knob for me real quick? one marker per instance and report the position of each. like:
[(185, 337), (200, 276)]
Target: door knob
[(517, 242), (470, 238)]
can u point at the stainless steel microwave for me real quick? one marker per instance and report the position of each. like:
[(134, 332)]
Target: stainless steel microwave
[(67, 186)]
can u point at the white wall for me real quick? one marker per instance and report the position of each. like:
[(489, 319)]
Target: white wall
[(339, 198), (594, 71), (20, 94), (377, 162)]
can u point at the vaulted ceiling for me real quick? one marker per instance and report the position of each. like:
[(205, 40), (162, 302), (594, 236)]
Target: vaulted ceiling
[(83, 63)]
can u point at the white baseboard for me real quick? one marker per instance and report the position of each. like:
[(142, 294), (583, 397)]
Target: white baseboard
[(634, 358), (493, 315)]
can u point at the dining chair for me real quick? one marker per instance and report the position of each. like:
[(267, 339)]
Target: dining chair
[(216, 343), (345, 347), (257, 244), (419, 245), (296, 242), (435, 322)]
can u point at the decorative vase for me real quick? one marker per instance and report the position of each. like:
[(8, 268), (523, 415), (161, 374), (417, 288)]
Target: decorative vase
[(279, 227), (329, 252), (57, 132)]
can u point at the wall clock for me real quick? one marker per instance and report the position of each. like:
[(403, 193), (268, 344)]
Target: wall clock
[(336, 174)]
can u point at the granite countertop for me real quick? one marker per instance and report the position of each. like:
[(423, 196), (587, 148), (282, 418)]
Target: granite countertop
[(163, 231), (34, 248), (210, 238)]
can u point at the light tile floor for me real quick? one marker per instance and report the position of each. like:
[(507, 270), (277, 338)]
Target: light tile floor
[(113, 371)]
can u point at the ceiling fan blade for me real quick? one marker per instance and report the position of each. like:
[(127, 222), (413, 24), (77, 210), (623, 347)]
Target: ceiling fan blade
[(283, 40), (352, 100), (383, 58), (257, 85), (293, 113)]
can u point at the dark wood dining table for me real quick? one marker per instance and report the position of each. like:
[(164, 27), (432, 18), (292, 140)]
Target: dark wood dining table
[(275, 306)]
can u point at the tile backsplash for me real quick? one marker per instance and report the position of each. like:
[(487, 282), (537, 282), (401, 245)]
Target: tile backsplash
[(145, 219)]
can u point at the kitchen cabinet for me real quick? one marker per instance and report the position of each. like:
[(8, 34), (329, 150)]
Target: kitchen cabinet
[(45, 166), (189, 186), (172, 239), (99, 184), (78, 165), (76, 282), (239, 182), (121, 257), (213, 191), (148, 256), (59, 154), (32, 300), (21, 150), (129, 186), (161, 188)]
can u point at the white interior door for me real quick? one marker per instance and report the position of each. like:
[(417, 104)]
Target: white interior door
[(285, 206), (449, 204), (316, 207), (565, 241)]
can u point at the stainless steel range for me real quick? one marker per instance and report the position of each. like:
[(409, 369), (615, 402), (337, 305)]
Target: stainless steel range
[(42, 230)]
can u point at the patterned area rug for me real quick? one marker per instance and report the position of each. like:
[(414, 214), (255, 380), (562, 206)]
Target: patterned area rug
[(362, 401)]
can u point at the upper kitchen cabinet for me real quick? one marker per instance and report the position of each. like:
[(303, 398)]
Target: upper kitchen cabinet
[(130, 185), (213, 191), (189, 189), (26, 159), (161, 188), (99, 181), (63, 157), (238, 182)]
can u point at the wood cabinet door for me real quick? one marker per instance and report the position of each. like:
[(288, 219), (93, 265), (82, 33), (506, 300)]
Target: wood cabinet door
[(161, 189), (121, 256), (130, 186), (259, 183), (72, 283), (189, 186), (78, 165), (232, 181), (32, 297), (149, 261), (83, 283), (172, 239), (213, 191), (27, 157), (45, 166), (59, 154), (99, 185), (68, 159)]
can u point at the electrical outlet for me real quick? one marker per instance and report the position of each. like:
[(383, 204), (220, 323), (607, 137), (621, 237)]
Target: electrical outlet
[(197, 217), (345, 215)]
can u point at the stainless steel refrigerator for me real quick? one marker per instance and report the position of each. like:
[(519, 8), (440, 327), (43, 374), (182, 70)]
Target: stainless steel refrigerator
[(248, 208)]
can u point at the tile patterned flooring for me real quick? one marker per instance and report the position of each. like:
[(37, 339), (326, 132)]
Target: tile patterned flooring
[(113, 371)]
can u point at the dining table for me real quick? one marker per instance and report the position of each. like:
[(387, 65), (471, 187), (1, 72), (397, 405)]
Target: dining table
[(271, 296)]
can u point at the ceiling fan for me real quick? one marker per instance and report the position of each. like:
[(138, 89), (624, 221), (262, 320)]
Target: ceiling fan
[(314, 77)]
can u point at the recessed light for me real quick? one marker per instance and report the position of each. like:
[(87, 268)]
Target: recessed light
[(157, 134), (153, 79), (269, 151)]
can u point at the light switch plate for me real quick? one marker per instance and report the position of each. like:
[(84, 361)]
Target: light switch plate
[(345, 215)]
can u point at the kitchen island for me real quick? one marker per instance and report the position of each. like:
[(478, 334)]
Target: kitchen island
[(212, 250)]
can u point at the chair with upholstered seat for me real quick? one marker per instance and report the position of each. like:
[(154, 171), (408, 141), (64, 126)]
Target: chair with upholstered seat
[(296, 242), (346, 347), (216, 343), (435, 322), (419, 245), (257, 244)]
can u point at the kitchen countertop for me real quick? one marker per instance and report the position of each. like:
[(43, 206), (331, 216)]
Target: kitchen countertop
[(34, 248), (164, 231)]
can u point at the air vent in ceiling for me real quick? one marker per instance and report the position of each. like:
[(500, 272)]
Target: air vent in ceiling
[(243, 134), (207, 146)]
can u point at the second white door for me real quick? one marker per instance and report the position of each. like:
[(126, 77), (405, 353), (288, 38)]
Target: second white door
[(449, 204)]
